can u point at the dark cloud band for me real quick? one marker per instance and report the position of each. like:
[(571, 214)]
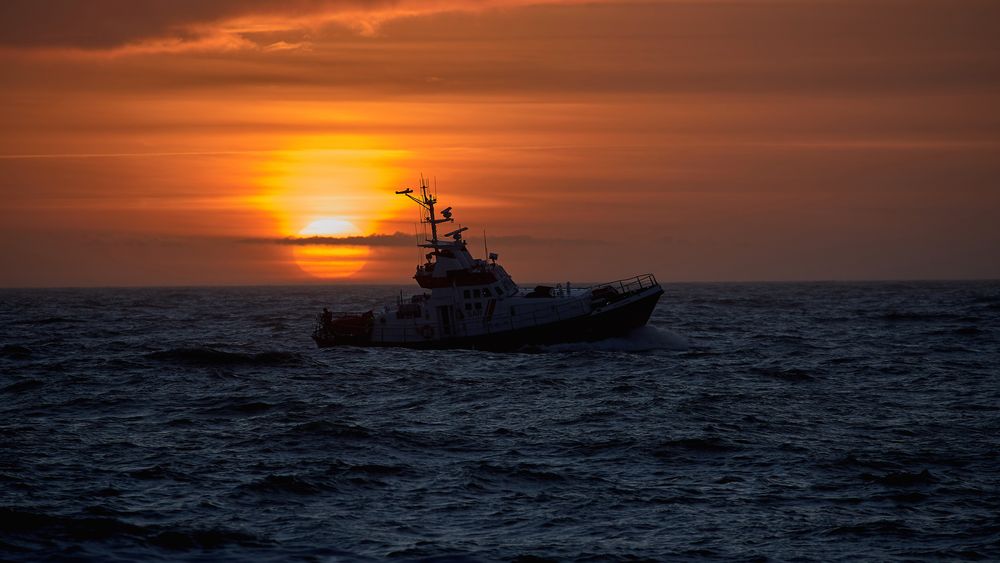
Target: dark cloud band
[(403, 239)]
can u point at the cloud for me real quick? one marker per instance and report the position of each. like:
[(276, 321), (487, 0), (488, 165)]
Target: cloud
[(402, 239), (175, 25), (395, 239), (829, 50), (101, 24)]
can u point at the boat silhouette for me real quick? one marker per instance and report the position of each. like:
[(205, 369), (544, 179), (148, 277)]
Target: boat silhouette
[(474, 303)]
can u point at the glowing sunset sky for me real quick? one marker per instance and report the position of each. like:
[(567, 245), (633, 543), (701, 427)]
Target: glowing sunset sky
[(170, 142)]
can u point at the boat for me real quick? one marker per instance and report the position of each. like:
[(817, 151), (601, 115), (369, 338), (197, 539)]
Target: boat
[(473, 303)]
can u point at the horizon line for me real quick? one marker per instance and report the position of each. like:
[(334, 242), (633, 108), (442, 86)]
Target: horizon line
[(345, 283)]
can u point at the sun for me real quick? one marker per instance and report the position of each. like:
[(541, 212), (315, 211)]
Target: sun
[(330, 185), (330, 261), (329, 227)]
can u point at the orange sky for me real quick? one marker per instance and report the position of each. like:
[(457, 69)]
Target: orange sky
[(161, 142)]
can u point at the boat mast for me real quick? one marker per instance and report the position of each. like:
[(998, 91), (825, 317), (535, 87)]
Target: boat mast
[(427, 201)]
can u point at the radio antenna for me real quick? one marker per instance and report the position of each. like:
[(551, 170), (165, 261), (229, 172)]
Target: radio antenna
[(416, 236)]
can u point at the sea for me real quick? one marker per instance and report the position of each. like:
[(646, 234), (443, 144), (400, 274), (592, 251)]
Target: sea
[(746, 422)]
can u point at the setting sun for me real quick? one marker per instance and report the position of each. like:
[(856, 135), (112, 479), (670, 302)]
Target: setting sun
[(329, 228), (328, 186), (320, 177), (335, 261)]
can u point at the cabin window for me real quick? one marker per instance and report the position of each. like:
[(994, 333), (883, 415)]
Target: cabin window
[(475, 294), (468, 306), (466, 293), (486, 292), (479, 305)]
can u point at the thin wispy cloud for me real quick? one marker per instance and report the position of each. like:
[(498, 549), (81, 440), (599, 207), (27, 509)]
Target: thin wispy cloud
[(395, 239), (124, 154), (151, 26), (402, 239)]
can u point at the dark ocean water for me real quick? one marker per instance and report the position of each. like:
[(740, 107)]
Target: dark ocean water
[(795, 422)]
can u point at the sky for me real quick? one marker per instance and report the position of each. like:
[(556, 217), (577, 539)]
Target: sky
[(198, 142)]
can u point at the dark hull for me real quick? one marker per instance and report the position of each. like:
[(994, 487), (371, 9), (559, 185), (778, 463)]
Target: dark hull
[(616, 320)]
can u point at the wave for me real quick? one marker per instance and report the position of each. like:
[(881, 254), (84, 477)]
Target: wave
[(15, 352), (873, 528), (916, 317), (853, 460), (366, 474), (158, 472), (708, 444), (519, 472), (48, 321), (22, 386), (252, 407), (902, 478), (644, 339), (184, 540), (277, 484), (910, 497), (583, 448), (944, 554), (328, 428), (232, 405), (370, 469), (785, 374), (34, 527), (107, 492), (213, 357)]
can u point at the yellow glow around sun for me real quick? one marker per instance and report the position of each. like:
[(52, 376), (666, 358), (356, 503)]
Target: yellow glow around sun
[(330, 176), (334, 261), (329, 228), (330, 185)]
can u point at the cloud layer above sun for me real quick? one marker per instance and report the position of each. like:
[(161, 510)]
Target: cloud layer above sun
[(175, 25)]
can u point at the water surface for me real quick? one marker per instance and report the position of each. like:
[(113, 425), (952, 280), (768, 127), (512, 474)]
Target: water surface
[(780, 421)]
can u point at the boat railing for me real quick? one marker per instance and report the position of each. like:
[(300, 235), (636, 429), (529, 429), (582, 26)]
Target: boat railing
[(629, 285), (623, 286)]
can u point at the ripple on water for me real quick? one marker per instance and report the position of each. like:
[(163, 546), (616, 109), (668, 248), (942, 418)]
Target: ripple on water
[(833, 422)]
